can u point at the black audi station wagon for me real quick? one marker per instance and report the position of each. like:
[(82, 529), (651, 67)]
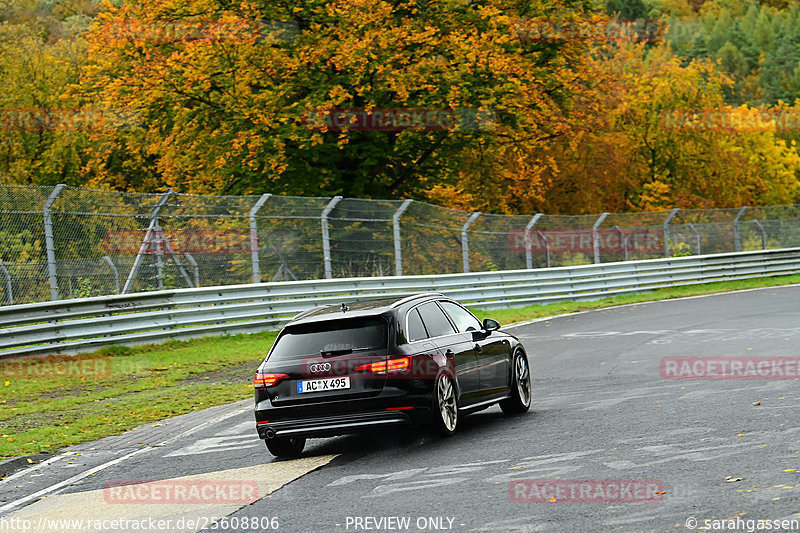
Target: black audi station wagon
[(419, 360)]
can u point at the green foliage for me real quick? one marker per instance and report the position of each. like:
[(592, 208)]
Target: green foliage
[(20, 246), (757, 43), (626, 9), (84, 288), (680, 249), (44, 133)]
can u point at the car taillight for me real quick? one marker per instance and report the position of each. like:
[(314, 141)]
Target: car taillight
[(268, 380), (385, 367)]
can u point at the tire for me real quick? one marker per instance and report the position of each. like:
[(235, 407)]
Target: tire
[(285, 448), (520, 400), (445, 406)]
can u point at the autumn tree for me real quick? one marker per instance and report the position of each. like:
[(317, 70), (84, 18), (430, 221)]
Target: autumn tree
[(665, 138), (230, 107), (43, 133)]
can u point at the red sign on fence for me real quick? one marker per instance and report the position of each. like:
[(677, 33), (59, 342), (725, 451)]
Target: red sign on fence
[(645, 240)]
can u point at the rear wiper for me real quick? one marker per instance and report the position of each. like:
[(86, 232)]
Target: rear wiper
[(331, 353)]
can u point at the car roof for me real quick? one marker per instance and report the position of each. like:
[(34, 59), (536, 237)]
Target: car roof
[(360, 308)]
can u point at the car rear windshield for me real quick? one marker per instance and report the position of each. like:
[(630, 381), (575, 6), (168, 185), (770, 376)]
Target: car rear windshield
[(331, 338)]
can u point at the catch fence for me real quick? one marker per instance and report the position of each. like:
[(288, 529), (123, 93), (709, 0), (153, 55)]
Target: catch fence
[(65, 242)]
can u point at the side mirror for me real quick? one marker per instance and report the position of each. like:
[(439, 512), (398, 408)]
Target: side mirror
[(490, 324)]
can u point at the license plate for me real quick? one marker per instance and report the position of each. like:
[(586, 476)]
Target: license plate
[(319, 385)]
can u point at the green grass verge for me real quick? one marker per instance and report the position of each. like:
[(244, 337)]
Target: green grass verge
[(49, 403)]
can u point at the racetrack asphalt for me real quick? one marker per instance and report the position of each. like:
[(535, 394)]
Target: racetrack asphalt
[(603, 414)]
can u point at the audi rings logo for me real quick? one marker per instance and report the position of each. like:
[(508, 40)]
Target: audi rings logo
[(319, 367)]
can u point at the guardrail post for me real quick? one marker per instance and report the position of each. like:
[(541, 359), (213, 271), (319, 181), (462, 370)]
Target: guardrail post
[(696, 238), (596, 237), (398, 248), (107, 260), (465, 239), (196, 269), (254, 237), (666, 230), (737, 238), (151, 229), (326, 238), (529, 240), (763, 233), (9, 289), (49, 243)]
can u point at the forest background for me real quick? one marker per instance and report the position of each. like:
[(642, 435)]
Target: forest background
[(501, 106)]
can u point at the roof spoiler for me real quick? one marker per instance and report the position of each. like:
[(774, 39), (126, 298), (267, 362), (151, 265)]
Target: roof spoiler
[(414, 297), (301, 314)]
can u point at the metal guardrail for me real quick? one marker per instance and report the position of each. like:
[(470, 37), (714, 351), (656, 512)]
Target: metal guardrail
[(81, 325)]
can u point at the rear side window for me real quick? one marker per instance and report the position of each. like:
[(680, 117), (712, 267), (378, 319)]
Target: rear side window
[(416, 329), (335, 336), (435, 320), (463, 319)]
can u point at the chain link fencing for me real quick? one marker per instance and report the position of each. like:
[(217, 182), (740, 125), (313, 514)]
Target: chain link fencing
[(65, 242)]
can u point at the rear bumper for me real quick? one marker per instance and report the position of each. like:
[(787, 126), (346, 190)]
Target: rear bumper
[(333, 425)]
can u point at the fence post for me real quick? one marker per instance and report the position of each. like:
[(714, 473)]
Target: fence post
[(529, 240), (623, 239), (737, 238), (763, 233), (107, 260), (49, 244), (465, 239), (596, 237), (9, 289), (326, 238), (696, 238), (398, 249), (666, 230), (153, 216), (546, 247), (159, 239), (196, 269), (254, 237)]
